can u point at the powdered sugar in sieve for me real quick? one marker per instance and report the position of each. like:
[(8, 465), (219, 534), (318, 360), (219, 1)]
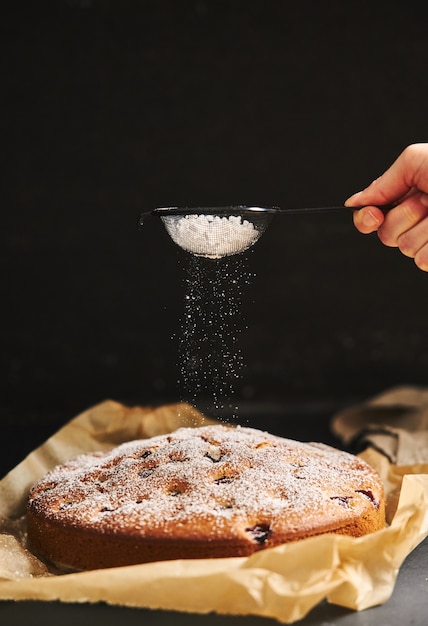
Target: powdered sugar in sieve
[(211, 236), (214, 232)]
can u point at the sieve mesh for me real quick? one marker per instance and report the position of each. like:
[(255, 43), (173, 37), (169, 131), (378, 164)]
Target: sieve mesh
[(216, 235)]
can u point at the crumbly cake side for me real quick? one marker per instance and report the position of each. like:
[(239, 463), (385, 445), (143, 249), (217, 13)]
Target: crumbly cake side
[(212, 491)]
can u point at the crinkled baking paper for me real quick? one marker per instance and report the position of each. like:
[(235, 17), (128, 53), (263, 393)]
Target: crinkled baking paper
[(283, 583)]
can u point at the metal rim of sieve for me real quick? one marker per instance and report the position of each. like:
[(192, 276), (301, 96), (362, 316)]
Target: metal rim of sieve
[(248, 211), (259, 217)]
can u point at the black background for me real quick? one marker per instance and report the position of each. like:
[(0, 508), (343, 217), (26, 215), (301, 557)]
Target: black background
[(115, 107)]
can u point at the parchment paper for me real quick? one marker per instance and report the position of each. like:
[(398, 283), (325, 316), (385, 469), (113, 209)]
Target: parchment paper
[(284, 583)]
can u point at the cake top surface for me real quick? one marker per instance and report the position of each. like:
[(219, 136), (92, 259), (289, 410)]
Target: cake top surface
[(217, 476)]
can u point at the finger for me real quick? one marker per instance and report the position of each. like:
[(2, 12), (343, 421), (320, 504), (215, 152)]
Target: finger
[(421, 258), (368, 219), (413, 192), (403, 218), (409, 170), (413, 240)]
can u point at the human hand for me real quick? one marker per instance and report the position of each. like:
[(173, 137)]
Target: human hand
[(404, 184)]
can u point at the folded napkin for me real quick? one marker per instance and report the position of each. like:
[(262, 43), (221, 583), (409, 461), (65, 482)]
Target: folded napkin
[(394, 423)]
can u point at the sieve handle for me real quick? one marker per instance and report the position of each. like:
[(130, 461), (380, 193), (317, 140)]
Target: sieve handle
[(328, 209), (243, 210)]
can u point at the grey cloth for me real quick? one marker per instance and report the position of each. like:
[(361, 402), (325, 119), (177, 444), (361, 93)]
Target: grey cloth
[(395, 423)]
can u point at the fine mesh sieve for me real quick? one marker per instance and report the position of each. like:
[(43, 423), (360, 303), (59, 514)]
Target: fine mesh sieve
[(216, 232)]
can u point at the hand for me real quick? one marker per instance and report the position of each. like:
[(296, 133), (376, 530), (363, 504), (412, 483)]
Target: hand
[(404, 184)]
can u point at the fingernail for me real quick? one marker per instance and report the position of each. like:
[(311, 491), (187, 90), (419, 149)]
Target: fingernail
[(352, 199), (369, 219)]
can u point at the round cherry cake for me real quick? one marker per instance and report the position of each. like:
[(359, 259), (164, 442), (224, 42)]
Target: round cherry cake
[(212, 491)]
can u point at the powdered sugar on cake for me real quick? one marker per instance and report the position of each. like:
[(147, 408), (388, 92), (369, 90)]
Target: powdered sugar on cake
[(231, 480)]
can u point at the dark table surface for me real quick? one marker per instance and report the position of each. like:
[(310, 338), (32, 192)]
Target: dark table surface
[(409, 601)]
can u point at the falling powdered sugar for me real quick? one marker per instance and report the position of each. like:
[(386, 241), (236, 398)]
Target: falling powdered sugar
[(211, 362), (211, 236)]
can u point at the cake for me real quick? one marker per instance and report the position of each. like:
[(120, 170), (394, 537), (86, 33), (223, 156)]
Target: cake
[(206, 492)]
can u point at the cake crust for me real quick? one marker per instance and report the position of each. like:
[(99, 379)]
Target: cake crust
[(207, 492)]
